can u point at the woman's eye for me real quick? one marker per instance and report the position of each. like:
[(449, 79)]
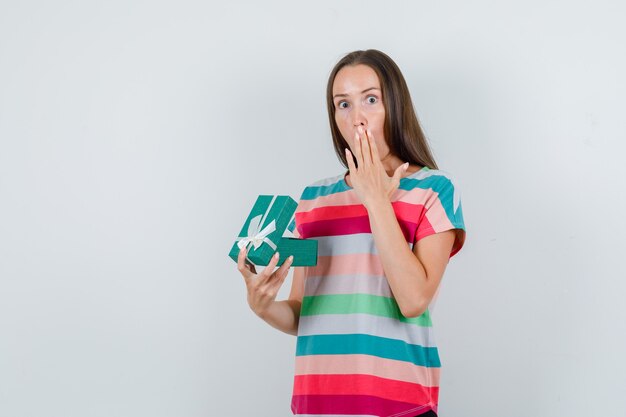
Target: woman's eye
[(341, 104), (370, 98)]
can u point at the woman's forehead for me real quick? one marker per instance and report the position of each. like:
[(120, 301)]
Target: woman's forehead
[(353, 79)]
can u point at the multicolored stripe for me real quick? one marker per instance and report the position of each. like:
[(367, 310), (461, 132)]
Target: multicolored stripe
[(356, 354)]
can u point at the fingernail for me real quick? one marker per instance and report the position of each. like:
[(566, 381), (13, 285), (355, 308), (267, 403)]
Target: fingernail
[(276, 255), (406, 166), (291, 258)]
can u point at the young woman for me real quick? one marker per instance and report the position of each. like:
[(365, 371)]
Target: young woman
[(386, 230)]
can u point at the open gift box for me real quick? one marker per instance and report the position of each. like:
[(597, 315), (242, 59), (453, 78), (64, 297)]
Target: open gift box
[(263, 234)]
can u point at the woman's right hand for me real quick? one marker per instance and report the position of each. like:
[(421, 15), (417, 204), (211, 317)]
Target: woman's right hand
[(262, 287)]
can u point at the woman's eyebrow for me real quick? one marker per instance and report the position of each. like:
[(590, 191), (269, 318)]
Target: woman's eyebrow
[(364, 91)]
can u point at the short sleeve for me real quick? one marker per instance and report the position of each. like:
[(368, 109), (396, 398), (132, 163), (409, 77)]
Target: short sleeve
[(442, 211)]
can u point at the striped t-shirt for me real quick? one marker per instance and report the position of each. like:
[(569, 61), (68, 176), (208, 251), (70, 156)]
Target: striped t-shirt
[(356, 354)]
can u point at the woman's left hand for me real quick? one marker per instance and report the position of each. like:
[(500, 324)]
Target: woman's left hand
[(370, 180)]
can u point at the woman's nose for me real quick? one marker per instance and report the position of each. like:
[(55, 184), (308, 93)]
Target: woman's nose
[(358, 118)]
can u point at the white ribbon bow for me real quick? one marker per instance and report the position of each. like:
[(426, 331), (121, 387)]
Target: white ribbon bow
[(256, 236)]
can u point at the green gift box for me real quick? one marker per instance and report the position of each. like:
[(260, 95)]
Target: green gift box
[(262, 234)]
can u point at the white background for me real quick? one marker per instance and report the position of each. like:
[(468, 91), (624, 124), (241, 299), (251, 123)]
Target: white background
[(135, 136)]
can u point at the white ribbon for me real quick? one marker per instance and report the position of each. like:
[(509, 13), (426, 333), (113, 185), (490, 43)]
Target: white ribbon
[(257, 236)]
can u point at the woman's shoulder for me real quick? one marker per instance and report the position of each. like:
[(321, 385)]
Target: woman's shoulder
[(433, 184), (324, 186), (326, 181), (430, 177)]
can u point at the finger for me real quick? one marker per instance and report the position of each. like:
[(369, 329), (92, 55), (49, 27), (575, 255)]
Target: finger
[(246, 263), (281, 273), (395, 180), (374, 147), (398, 173), (250, 266), (241, 264), (350, 160), (269, 269), (367, 154), (357, 150)]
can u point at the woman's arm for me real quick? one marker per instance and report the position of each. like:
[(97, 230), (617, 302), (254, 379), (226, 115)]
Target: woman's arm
[(284, 315), (413, 276), (262, 290)]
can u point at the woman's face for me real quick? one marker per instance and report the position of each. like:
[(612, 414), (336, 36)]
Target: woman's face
[(358, 101)]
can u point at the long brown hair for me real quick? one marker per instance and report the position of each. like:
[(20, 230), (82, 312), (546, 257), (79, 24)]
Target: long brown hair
[(403, 133)]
